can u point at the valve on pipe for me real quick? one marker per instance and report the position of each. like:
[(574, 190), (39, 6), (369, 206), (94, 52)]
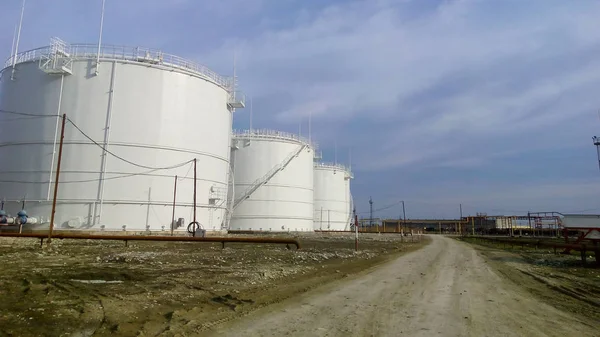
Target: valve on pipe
[(196, 229), (4, 219), (23, 218)]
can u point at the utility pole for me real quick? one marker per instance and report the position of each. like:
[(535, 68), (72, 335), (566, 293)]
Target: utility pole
[(512, 227), (404, 214), (529, 220), (60, 150), (597, 144), (174, 199), (355, 229), (460, 222), (371, 212)]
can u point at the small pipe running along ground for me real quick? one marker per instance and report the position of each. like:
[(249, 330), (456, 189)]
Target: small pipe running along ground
[(126, 238)]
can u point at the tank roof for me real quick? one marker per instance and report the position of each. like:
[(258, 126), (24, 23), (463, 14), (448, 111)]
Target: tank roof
[(273, 134), (334, 166), (126, 53)]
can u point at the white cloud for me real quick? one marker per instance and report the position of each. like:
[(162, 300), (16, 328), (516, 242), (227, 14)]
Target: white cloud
[(360, 60), (382, 60)]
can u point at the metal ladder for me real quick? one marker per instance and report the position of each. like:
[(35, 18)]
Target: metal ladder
[(229, 205), (264, 179)]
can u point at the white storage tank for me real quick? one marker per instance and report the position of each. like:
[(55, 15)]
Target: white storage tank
[(333, 200), (152, 112), (273, 182)]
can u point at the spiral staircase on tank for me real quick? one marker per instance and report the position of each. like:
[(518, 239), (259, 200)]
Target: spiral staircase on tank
[(270, 174)]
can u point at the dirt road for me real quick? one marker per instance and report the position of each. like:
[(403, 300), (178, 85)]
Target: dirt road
[(444, 289)]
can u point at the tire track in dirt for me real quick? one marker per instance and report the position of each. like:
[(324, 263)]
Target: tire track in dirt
[(444, 289)]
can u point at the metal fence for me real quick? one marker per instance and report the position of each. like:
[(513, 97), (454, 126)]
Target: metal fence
[(274, 134), (133, 54), (341, 167)]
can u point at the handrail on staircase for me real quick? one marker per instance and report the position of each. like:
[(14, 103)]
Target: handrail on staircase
[(270, 174)]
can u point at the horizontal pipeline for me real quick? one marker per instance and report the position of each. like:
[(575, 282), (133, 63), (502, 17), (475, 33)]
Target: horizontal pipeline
[(540, 243), (222, 240), (360, 232)]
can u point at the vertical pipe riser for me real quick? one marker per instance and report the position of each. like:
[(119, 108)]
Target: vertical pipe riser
[(174, 199), (60, 93), (106, 141), (195, 186), (12, 76), (100, 39)]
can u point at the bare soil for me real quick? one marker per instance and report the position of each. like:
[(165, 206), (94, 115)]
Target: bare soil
[(91, 288), (447, 288), (558, 279)]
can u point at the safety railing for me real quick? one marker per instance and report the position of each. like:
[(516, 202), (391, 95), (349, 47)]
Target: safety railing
[(264, 179), (274, 134), (134, 54), (567, 246), (237, 99), (341, 167)]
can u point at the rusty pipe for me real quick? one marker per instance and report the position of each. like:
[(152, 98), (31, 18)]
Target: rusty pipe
[(60, 151), (539, 243), (154, 238)]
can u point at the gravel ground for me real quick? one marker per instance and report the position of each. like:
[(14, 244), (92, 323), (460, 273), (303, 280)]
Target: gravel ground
[(85, 288)]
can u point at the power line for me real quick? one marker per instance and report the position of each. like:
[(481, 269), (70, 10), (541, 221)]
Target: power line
[(186, 175), (22, 118), (382, 208), (123, 159), (33, 116), (80, 181), (26, 114)]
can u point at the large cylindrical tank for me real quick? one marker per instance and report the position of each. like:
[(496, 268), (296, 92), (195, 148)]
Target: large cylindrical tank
[(145, 114), (333, 200), (273, 182)]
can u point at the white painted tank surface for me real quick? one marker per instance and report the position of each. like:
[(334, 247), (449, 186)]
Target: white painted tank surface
[(273, 182), (152, 112), (582, 221), (333, 200)]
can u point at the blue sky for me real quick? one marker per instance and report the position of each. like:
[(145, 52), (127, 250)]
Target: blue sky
[(491, 104)]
